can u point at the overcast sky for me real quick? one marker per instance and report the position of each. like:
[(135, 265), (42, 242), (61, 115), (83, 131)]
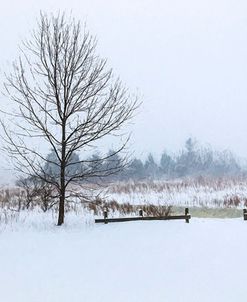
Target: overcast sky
[(187, 60)]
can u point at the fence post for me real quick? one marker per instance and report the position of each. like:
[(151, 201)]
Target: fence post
[(245, 214), (141, 212), (105, 215), (186, 212)]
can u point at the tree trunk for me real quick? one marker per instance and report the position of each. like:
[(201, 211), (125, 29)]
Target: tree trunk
[(61, 209), (62, 177), (62, 196)]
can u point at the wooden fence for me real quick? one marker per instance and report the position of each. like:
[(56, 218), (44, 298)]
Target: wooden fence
[(245, 214), (141, 217)]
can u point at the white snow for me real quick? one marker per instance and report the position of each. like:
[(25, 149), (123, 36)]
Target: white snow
[(171, 261)]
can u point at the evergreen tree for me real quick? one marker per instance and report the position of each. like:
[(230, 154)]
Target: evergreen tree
[(166, 164), (52, 164), (151, 168), (136, 169)]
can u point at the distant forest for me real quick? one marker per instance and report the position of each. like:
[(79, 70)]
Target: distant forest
[(192, 161)]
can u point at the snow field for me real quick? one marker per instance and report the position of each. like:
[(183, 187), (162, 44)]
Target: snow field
[(135, 261)]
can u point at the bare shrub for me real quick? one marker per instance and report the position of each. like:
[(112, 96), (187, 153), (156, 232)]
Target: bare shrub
[(36, 192), (232, 201), (158, 211), (98, 206)]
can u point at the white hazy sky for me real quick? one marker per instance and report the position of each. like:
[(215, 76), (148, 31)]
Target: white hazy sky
[(187, 59)]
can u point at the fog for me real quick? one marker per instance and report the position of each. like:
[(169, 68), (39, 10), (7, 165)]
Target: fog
[(187, 60)]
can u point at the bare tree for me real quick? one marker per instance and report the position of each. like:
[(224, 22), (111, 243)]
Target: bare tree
[(65, 97)]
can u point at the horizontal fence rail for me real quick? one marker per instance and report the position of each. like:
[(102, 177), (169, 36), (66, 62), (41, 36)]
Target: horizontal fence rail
[(106, 220)]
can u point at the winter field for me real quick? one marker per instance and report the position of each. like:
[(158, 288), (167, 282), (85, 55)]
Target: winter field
[(201, 192), (133, 261)]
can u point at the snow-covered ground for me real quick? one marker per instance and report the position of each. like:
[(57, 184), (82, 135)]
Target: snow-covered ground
[(125, 262)]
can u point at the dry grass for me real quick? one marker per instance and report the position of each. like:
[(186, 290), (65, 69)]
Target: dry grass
[(204, 192), (98, 205), (212, 184), (225, 197)]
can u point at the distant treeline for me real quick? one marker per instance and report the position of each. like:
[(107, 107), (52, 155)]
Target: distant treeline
[(193, 160)]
